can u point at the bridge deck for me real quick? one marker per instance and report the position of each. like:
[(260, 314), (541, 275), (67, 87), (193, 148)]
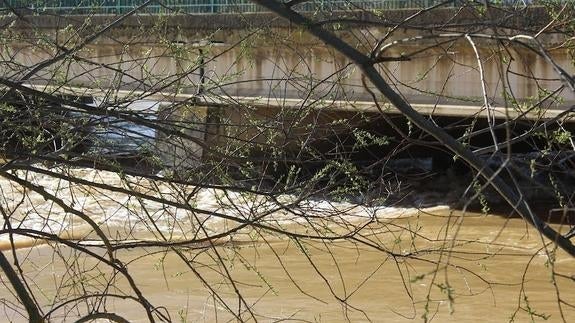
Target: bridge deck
[(450, 110)]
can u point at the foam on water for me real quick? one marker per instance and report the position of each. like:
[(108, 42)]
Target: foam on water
[(125, 217)]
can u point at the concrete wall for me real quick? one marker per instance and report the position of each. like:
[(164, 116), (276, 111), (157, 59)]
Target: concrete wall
[(278, 62), (179, 152)]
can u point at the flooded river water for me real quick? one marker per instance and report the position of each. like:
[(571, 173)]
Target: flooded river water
[(380, 264)]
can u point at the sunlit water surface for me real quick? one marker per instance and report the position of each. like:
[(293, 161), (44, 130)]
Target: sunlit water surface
[(458, 267)]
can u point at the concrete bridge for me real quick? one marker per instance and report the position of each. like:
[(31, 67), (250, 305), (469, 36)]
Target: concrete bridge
[(263, 61), (259, 55)]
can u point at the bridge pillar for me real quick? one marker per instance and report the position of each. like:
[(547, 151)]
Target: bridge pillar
[(181, 152)]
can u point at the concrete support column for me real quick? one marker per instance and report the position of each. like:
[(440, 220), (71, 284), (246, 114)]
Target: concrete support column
[(176, 151)]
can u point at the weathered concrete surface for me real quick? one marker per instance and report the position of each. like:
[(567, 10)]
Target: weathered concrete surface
[(178, 152), (265, 56)]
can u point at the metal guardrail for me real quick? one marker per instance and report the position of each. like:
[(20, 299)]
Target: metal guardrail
[(198, 6)]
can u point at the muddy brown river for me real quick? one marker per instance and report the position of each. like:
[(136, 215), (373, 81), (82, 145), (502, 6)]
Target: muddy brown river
[(401, 265)]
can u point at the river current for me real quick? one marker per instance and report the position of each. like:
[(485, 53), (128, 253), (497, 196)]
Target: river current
[(403, 264)]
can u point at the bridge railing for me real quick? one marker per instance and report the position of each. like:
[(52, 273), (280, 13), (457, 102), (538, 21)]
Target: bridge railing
[(205, 6)]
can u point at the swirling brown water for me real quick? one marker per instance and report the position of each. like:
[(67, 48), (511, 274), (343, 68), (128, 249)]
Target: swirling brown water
[(464, 267)]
